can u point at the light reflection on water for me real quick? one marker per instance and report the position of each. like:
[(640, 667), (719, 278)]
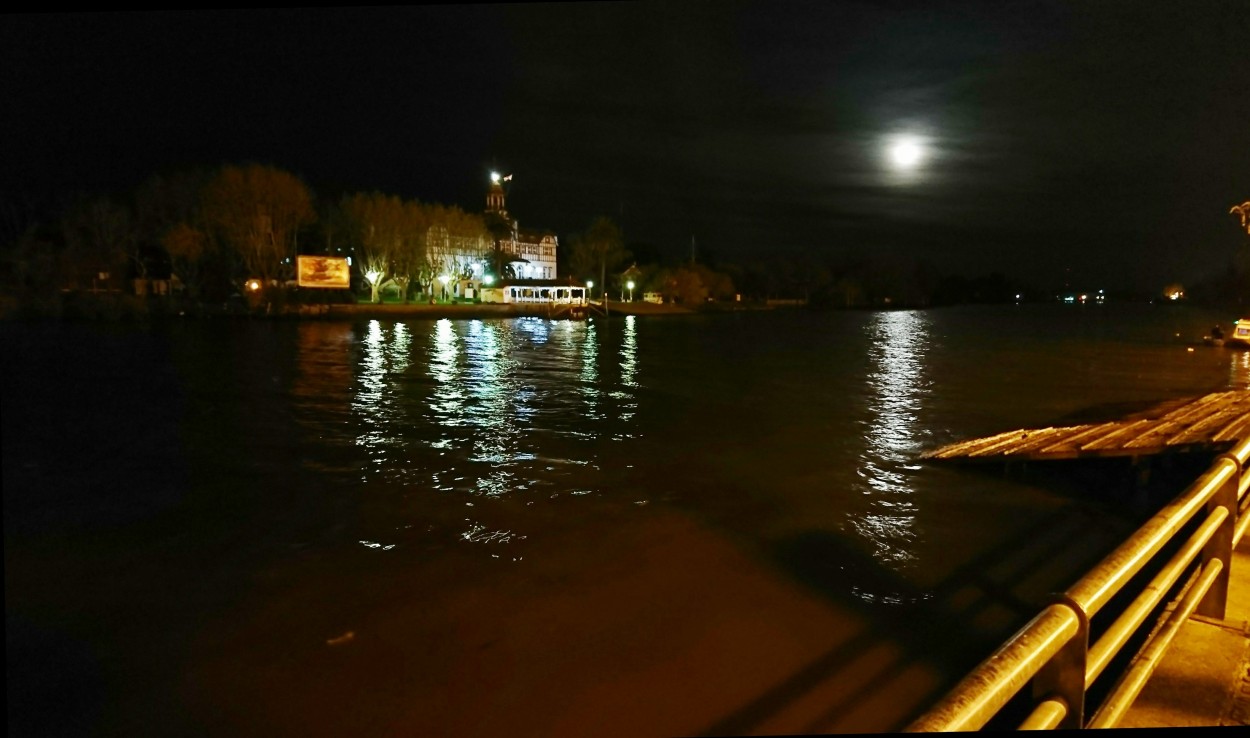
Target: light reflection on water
[(372, 402), (896, 390), (1239, 370), (485, 410), (506, 419), (629, 375)]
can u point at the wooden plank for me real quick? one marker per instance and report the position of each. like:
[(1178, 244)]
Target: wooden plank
[(1073, 442), (1210, 425), (1201, 431), (1046, 437), (1020, 441), (1116, 432), (1234, 431), (1214, 420), (964, 448)]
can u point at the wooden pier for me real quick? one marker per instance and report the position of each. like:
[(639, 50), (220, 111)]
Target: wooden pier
[(1214, 422)]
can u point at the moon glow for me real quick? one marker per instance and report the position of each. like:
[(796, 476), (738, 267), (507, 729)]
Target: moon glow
[(907, 153)]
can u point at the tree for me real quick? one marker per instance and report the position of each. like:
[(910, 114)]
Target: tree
[(186, 247), (35, 258), (503, 253), (602, 246), (334, 227), (257, 212), (97, 234), (409, 257), (1243, 211), (167, 216), (377, 226)]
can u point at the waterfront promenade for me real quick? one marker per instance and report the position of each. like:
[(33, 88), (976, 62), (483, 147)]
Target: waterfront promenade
[(1193, 668), (1203, 680)]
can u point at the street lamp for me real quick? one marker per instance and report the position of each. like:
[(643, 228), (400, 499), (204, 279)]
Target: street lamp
[(444, 279), (630, 285), (590, 285)]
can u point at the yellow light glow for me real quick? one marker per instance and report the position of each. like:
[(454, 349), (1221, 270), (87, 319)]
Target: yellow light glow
[(253, 284)]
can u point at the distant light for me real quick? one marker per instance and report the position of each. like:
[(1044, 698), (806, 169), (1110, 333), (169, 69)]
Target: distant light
[(444, 279), (494, 177), (373, 277), (590, 283), (253, 284), (629, 284), (477, 267), (907, 152), (349, 261), (487, 280)]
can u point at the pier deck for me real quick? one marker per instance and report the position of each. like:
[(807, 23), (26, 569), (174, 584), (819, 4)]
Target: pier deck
[(1214, 422)]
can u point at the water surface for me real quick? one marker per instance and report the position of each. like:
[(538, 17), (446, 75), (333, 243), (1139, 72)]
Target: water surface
[(630, 526)]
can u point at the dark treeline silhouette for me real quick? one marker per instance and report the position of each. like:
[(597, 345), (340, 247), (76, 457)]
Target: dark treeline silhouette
[(195, 237)]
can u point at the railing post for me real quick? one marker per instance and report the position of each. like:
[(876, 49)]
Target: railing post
[(1221, 544), (1064, 675)]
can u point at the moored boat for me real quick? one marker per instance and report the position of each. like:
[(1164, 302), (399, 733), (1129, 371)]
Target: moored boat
[(1239, 337), (1241, 334)]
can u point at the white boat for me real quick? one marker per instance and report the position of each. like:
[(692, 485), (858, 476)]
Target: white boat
[(1238, 338), (1241, 334)]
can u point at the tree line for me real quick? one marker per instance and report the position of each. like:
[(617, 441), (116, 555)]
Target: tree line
[(216, 229)]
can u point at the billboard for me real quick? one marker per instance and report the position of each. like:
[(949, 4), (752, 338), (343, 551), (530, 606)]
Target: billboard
[(324, 271)]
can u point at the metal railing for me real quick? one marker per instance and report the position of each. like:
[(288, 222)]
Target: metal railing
[(1053, 650)]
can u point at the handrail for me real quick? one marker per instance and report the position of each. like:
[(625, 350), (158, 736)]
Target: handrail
[(1052, 650)]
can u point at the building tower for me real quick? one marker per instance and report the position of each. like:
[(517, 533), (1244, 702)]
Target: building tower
[(495, 197)]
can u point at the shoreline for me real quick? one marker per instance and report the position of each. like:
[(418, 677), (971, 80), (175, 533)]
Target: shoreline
[(128, 308), (488, 310)]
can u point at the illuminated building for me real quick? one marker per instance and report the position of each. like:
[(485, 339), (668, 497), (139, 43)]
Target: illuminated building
[(537, 248)]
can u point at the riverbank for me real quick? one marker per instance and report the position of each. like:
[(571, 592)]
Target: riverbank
[(490, 310), (121, 307)]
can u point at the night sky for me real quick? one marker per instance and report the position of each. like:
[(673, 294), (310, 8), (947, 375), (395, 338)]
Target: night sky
[(1100, 143)]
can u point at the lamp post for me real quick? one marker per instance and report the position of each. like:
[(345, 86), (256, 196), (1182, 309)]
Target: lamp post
[(630, 285), (444, 279)]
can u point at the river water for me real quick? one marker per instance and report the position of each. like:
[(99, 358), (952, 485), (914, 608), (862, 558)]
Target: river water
[(660, 526)]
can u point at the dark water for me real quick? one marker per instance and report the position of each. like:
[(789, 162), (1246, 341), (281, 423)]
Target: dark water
[(662, 526)]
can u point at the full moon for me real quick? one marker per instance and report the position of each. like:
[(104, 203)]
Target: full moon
[(906, 153)]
